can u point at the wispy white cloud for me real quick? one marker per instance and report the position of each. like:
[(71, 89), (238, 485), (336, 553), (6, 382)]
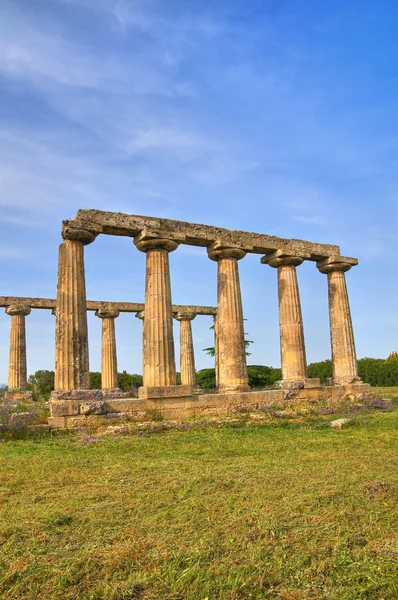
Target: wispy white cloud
[(313, 220)]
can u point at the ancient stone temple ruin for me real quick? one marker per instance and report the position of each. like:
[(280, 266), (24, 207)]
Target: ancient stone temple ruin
[(73, 403)]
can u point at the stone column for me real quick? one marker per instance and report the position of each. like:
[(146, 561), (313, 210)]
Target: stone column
[(231, 348), (71, 340), (344, 360), (141, 315), (17, 368), (187, 358), (293, 359), (216, 351), (158, 346), (108, 348)]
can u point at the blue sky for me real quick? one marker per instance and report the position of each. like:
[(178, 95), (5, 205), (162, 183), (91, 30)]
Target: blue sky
[(270, 116)]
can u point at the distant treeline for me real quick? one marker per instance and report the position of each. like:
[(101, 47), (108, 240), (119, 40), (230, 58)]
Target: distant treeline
[(376, 371)]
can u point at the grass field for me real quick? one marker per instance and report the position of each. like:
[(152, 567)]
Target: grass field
[(288, 510)]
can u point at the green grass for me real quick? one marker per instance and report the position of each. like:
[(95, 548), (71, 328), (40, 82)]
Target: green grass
[(292, 511)]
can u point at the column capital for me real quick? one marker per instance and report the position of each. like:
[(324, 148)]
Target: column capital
[(216, 251), (336, 263), (140, 314), (184, 315), (107, 313), (154, 240), (280, 258), (18, 309), (78, 235)]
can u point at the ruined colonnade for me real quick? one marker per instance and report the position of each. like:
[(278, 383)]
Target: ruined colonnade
[(19, 308), (157, 238)]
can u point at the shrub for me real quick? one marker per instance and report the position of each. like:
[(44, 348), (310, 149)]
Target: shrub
[(42, 384), (15, 418)]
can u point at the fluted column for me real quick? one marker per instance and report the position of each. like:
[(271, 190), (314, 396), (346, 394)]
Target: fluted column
[(71, 339), (231, 347), (141, 316), (158, 343), (344, 359), (187, 358), (292, 346), (17, 368), (108, 348), (216, 351)]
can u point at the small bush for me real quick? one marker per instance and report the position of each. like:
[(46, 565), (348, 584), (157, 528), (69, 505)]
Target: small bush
[(15, 418)]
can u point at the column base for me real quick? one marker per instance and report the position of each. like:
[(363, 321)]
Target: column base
[(112, 393), (166, 391), (19, 395), (313, 382), (76, 395), (290, 384), (345, 380), (233, 389)]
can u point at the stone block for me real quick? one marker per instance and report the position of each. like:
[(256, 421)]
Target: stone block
[(288, 384), (113, 393), (57, 422), (63, 408), (170, 391), (95, 407), (313, 382), (339, 423), (19, 395), (125, 405), (76, 395)]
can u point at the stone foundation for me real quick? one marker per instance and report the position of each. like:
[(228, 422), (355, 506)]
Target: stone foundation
[(19, 395), (96, 411)]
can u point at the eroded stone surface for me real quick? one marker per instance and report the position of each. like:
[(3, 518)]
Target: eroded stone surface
[(195, 234), (231, 348)]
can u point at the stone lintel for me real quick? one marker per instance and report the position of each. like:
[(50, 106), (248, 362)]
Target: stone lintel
[(170, 391), (94, 305), (194, 234)]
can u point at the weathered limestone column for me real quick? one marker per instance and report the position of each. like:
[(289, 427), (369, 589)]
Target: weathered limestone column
[(216, 351), (187, 358), (293, 359), (231, 348), (108, 348), (71, 341), (17, 368), (344, 360), (158, 345), (141, 316)]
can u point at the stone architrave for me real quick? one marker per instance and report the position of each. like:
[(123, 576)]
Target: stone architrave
[(231, 347), (344, 361), (108, 348), (71, 338), (17, 367), (158, 343), (292, 346), (187, 357)]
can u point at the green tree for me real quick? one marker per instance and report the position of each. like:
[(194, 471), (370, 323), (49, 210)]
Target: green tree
[(127, 381), (211, 351), (95, 380), (41, 384), (392, 358), (206, 379)]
